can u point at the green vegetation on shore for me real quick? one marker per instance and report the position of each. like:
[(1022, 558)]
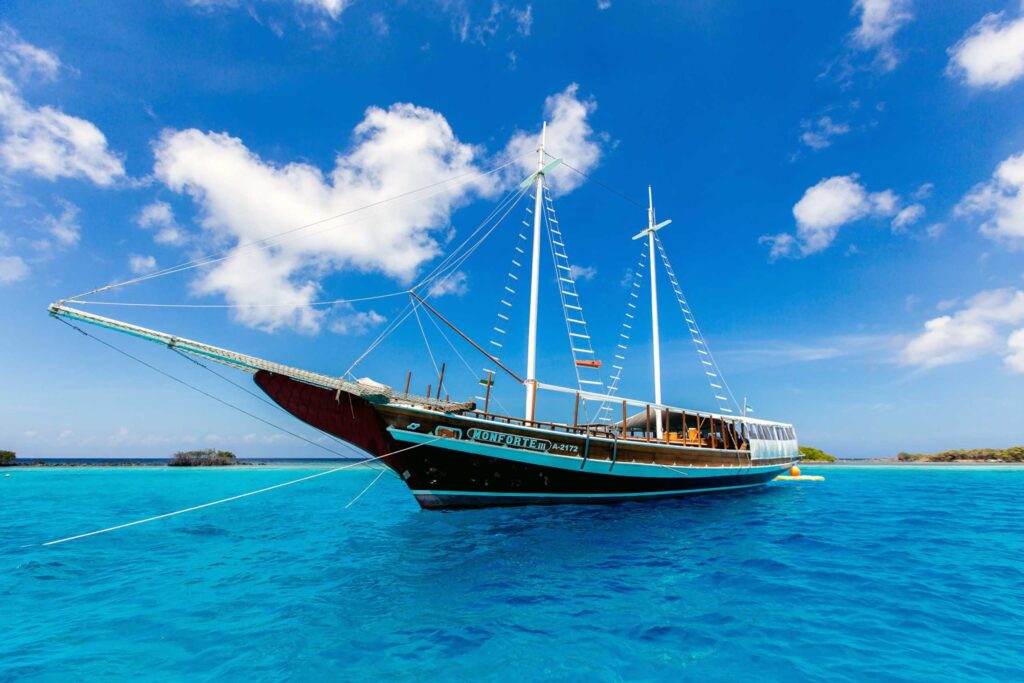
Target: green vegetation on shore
[(1012, 454), (203, 458), (7, 458), (809, 454)]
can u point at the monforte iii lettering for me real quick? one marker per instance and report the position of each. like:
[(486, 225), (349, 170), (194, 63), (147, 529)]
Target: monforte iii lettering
[(509, 440)]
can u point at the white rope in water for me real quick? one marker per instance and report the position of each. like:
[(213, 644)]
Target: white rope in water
[(239, 496), (368, 487)]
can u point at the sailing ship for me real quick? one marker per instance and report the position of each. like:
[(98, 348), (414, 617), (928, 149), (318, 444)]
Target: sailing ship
[(466, 454)]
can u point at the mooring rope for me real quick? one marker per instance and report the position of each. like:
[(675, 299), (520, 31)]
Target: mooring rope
[(368, 487), (239, 496)]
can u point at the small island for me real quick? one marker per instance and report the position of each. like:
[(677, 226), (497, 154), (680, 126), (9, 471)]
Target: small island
[(1012, 454), (7, 458), (809, 454), (208, 457)]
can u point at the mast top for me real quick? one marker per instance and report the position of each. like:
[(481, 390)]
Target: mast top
[(651, 226)]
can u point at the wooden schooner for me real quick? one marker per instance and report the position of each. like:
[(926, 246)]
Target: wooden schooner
[(464, 455)]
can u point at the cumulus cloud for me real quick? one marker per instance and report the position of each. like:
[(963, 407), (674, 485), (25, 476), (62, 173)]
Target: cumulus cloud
[(1015, 351), (824, 209), (569, 136), (975, 330), (819, 134), (244, 198), (141, 264), (12, 269), (991, 53), (1000, 202), (159, 216), (880, 20), (45, 141)]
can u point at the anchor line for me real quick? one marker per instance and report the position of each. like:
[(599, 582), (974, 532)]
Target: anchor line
[(237, 497)]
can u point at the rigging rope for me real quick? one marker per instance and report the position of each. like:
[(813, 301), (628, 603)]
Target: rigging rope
[(622, 343), (204, 393), (604, 186), (425, 342), (435, 278), (465, 363), (333, 302), (240, 496), (579, 341), (710, 366)]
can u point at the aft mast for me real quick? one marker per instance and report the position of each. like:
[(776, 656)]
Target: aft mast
[(656, 338)]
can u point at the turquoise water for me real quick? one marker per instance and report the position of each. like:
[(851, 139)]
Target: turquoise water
[(877, 573)]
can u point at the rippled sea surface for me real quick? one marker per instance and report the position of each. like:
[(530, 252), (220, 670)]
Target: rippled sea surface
[(879, 573)]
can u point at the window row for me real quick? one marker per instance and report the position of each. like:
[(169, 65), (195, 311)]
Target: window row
[(770, 432)]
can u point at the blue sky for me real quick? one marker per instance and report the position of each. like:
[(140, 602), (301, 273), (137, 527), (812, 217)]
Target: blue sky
[(845, 180)]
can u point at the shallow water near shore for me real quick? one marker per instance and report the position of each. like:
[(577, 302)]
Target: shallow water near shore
[(876, 573)]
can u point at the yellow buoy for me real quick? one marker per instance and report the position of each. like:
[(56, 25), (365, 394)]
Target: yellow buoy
[(794, 471)]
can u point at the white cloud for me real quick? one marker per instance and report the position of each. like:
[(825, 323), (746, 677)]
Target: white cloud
[(356, 322), (819, 134), (332, 8), (782, 245), (582, 272), (26, 60), (991, 53), (42, 140), (569, 136), (880, 20), (907, 217), (457, 283), (1015, 347), (1000, 201), (604, 4), (160, 217), (824, 209), (973, 331), (924, 192), (141, 264), (243, 199), (12, 269), (523, 19), (64, 228), (473, 28)]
